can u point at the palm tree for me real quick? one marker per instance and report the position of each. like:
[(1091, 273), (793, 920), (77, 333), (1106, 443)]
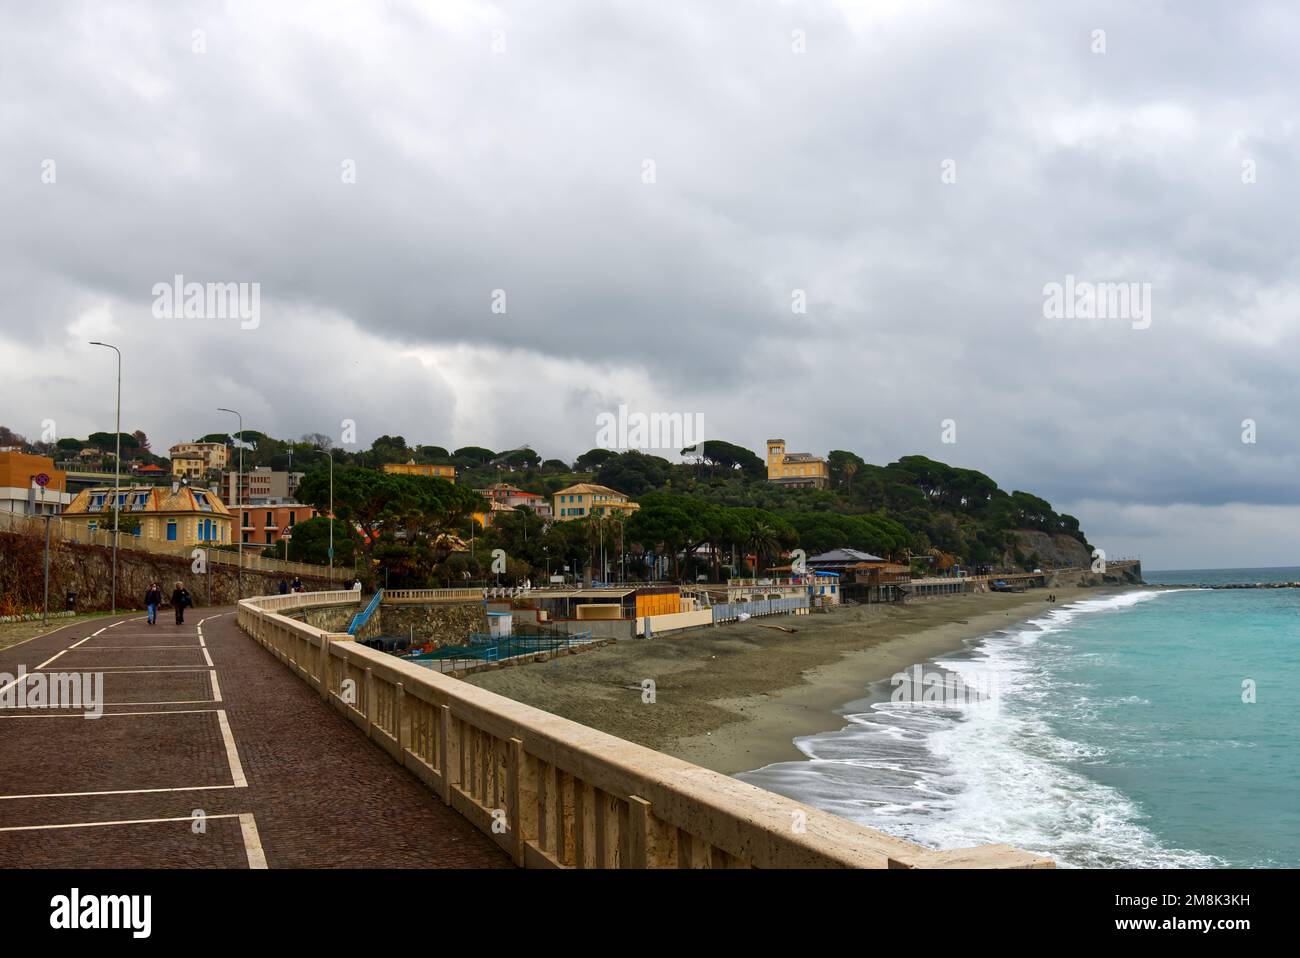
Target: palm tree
[(763, 539)]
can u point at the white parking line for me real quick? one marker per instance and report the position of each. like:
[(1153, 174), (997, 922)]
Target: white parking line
[(50, 713), (48, 661), (26, 676), (207, 657), (120, 821), (141, 635), (121, 705), (131, 647), (138, 667), (44, 635), (253, 850), (122, 791), (232, 753), (252, 841), (216, 689)]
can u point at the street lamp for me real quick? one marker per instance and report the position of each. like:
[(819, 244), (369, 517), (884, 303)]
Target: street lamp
[(239, 515), (331, 455), (117, 462)]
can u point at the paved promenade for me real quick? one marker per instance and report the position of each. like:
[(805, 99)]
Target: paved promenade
[(209, 754)]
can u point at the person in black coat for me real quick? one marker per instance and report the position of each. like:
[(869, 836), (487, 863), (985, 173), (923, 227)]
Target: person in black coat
[(180, 599)]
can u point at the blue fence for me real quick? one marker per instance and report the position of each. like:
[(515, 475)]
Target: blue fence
[(731, 611), (482, 647)]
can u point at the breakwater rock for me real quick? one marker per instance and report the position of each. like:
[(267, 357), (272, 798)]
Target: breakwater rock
[(1226, 585)]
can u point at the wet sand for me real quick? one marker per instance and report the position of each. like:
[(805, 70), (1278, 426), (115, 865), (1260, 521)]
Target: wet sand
[(734, 697)]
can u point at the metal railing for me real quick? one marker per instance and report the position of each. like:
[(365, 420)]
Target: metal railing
[(484, 647), (362, 617)]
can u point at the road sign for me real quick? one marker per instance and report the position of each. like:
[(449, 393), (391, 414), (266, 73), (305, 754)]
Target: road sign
[(286, 532), (42, 479)]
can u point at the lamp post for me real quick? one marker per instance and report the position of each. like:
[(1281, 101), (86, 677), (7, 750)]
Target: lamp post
[(117, 463), (239, 515), (40, 510), (331, 573)]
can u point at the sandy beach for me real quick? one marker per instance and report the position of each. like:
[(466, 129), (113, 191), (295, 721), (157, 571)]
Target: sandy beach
[(734, 697)]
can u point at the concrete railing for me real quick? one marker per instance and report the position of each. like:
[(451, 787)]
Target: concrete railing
[(413, 596), (553, 793)]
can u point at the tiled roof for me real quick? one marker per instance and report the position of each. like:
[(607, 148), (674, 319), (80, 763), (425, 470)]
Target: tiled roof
[(156, 500), (590, 488), (842, 555)]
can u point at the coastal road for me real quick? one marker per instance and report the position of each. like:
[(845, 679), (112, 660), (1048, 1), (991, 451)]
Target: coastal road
[(208, 753)]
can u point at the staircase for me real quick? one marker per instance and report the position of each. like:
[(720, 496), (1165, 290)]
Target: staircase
[(361, 618)]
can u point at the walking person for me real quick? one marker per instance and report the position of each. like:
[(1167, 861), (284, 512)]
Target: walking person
[(297, 585), (180, 599), (153, 599), (284, 587)]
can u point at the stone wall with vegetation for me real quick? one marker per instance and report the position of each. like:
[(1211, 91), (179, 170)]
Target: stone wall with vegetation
[(88, 571), (333, 618), (442, 623)]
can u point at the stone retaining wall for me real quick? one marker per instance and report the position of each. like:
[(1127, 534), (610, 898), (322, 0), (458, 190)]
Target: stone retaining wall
[(88, 571)]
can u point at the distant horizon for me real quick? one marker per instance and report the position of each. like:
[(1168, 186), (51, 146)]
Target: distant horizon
[(1223, 568)]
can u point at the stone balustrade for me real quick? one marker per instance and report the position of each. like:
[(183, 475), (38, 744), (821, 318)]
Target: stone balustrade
[(553, 793)]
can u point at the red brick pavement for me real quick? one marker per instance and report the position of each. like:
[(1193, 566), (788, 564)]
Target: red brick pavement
[(318, 794)]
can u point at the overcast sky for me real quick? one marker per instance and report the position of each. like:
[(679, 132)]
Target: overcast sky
[(920, 170)]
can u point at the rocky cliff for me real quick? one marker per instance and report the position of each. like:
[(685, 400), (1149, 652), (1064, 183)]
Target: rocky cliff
[(1057, 551)]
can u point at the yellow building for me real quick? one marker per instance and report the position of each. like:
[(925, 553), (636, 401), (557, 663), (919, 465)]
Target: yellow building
[(213, 454), (797, 469), (490, 512), (587, 499), (413, 468), (189, 467), (184, 515)]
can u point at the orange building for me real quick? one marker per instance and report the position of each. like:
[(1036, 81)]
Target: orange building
[(265, 525), (19, 490)]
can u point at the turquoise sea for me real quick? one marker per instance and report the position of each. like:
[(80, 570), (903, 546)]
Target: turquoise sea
[(1115, 734)]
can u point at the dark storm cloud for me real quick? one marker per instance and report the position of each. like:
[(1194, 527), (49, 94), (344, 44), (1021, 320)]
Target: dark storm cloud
[(522, 171)]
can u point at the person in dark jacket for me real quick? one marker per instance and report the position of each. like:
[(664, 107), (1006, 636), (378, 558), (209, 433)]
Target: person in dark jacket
[(297, 585), (180, 599), (284, 587), (153, 599)]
